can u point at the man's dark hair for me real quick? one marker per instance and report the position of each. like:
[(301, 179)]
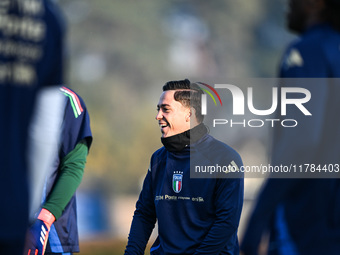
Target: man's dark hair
[(188, 94)]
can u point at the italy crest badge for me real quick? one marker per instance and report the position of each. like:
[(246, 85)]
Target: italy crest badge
[(177, 181)]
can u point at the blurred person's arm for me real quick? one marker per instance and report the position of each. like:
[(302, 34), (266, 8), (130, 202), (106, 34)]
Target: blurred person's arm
[(71, 172), (44, 138)]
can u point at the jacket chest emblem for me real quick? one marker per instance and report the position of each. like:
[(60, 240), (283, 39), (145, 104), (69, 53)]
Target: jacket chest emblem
[(177, 181)]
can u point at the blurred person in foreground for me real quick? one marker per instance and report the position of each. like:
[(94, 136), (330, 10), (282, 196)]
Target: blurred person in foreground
[(56, 223), (31, 53), (195, 216), (301, 214)]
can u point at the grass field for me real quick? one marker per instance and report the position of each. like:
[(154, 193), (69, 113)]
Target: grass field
[(105, 247)]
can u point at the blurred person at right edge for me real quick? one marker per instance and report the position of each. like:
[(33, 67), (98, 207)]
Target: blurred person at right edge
[(302, 215), (31, 57)]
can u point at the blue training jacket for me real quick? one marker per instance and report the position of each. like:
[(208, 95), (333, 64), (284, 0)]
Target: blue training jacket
[(302, 214), (195, 216)]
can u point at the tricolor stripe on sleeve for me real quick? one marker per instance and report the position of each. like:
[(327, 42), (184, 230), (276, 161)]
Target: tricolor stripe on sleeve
[(75, 103)]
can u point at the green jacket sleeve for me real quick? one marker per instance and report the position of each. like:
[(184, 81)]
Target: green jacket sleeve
[(71, 172)]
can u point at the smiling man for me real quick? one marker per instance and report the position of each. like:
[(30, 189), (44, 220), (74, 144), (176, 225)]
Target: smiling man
[(173, 117), (195, 215)]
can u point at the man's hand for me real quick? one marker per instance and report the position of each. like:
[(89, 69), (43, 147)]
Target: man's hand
[(37, 235)]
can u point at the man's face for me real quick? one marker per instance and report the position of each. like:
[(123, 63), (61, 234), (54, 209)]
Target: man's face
[(297, 15), (173, 118)]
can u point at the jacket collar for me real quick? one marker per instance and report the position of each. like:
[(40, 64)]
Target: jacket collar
[(178, 142)]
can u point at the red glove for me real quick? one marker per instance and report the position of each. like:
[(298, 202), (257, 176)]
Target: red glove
[(37, 235)]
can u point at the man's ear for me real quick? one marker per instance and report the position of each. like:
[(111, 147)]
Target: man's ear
[(187, 117), (192, 114)]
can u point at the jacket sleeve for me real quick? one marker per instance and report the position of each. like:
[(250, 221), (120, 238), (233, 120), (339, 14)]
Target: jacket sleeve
[(228, 203), (300, 145), (144, 219)]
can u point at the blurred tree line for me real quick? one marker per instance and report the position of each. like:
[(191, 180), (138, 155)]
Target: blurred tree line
[(120, 53)]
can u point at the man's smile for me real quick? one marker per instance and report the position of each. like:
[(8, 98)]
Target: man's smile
[(163, 125)]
